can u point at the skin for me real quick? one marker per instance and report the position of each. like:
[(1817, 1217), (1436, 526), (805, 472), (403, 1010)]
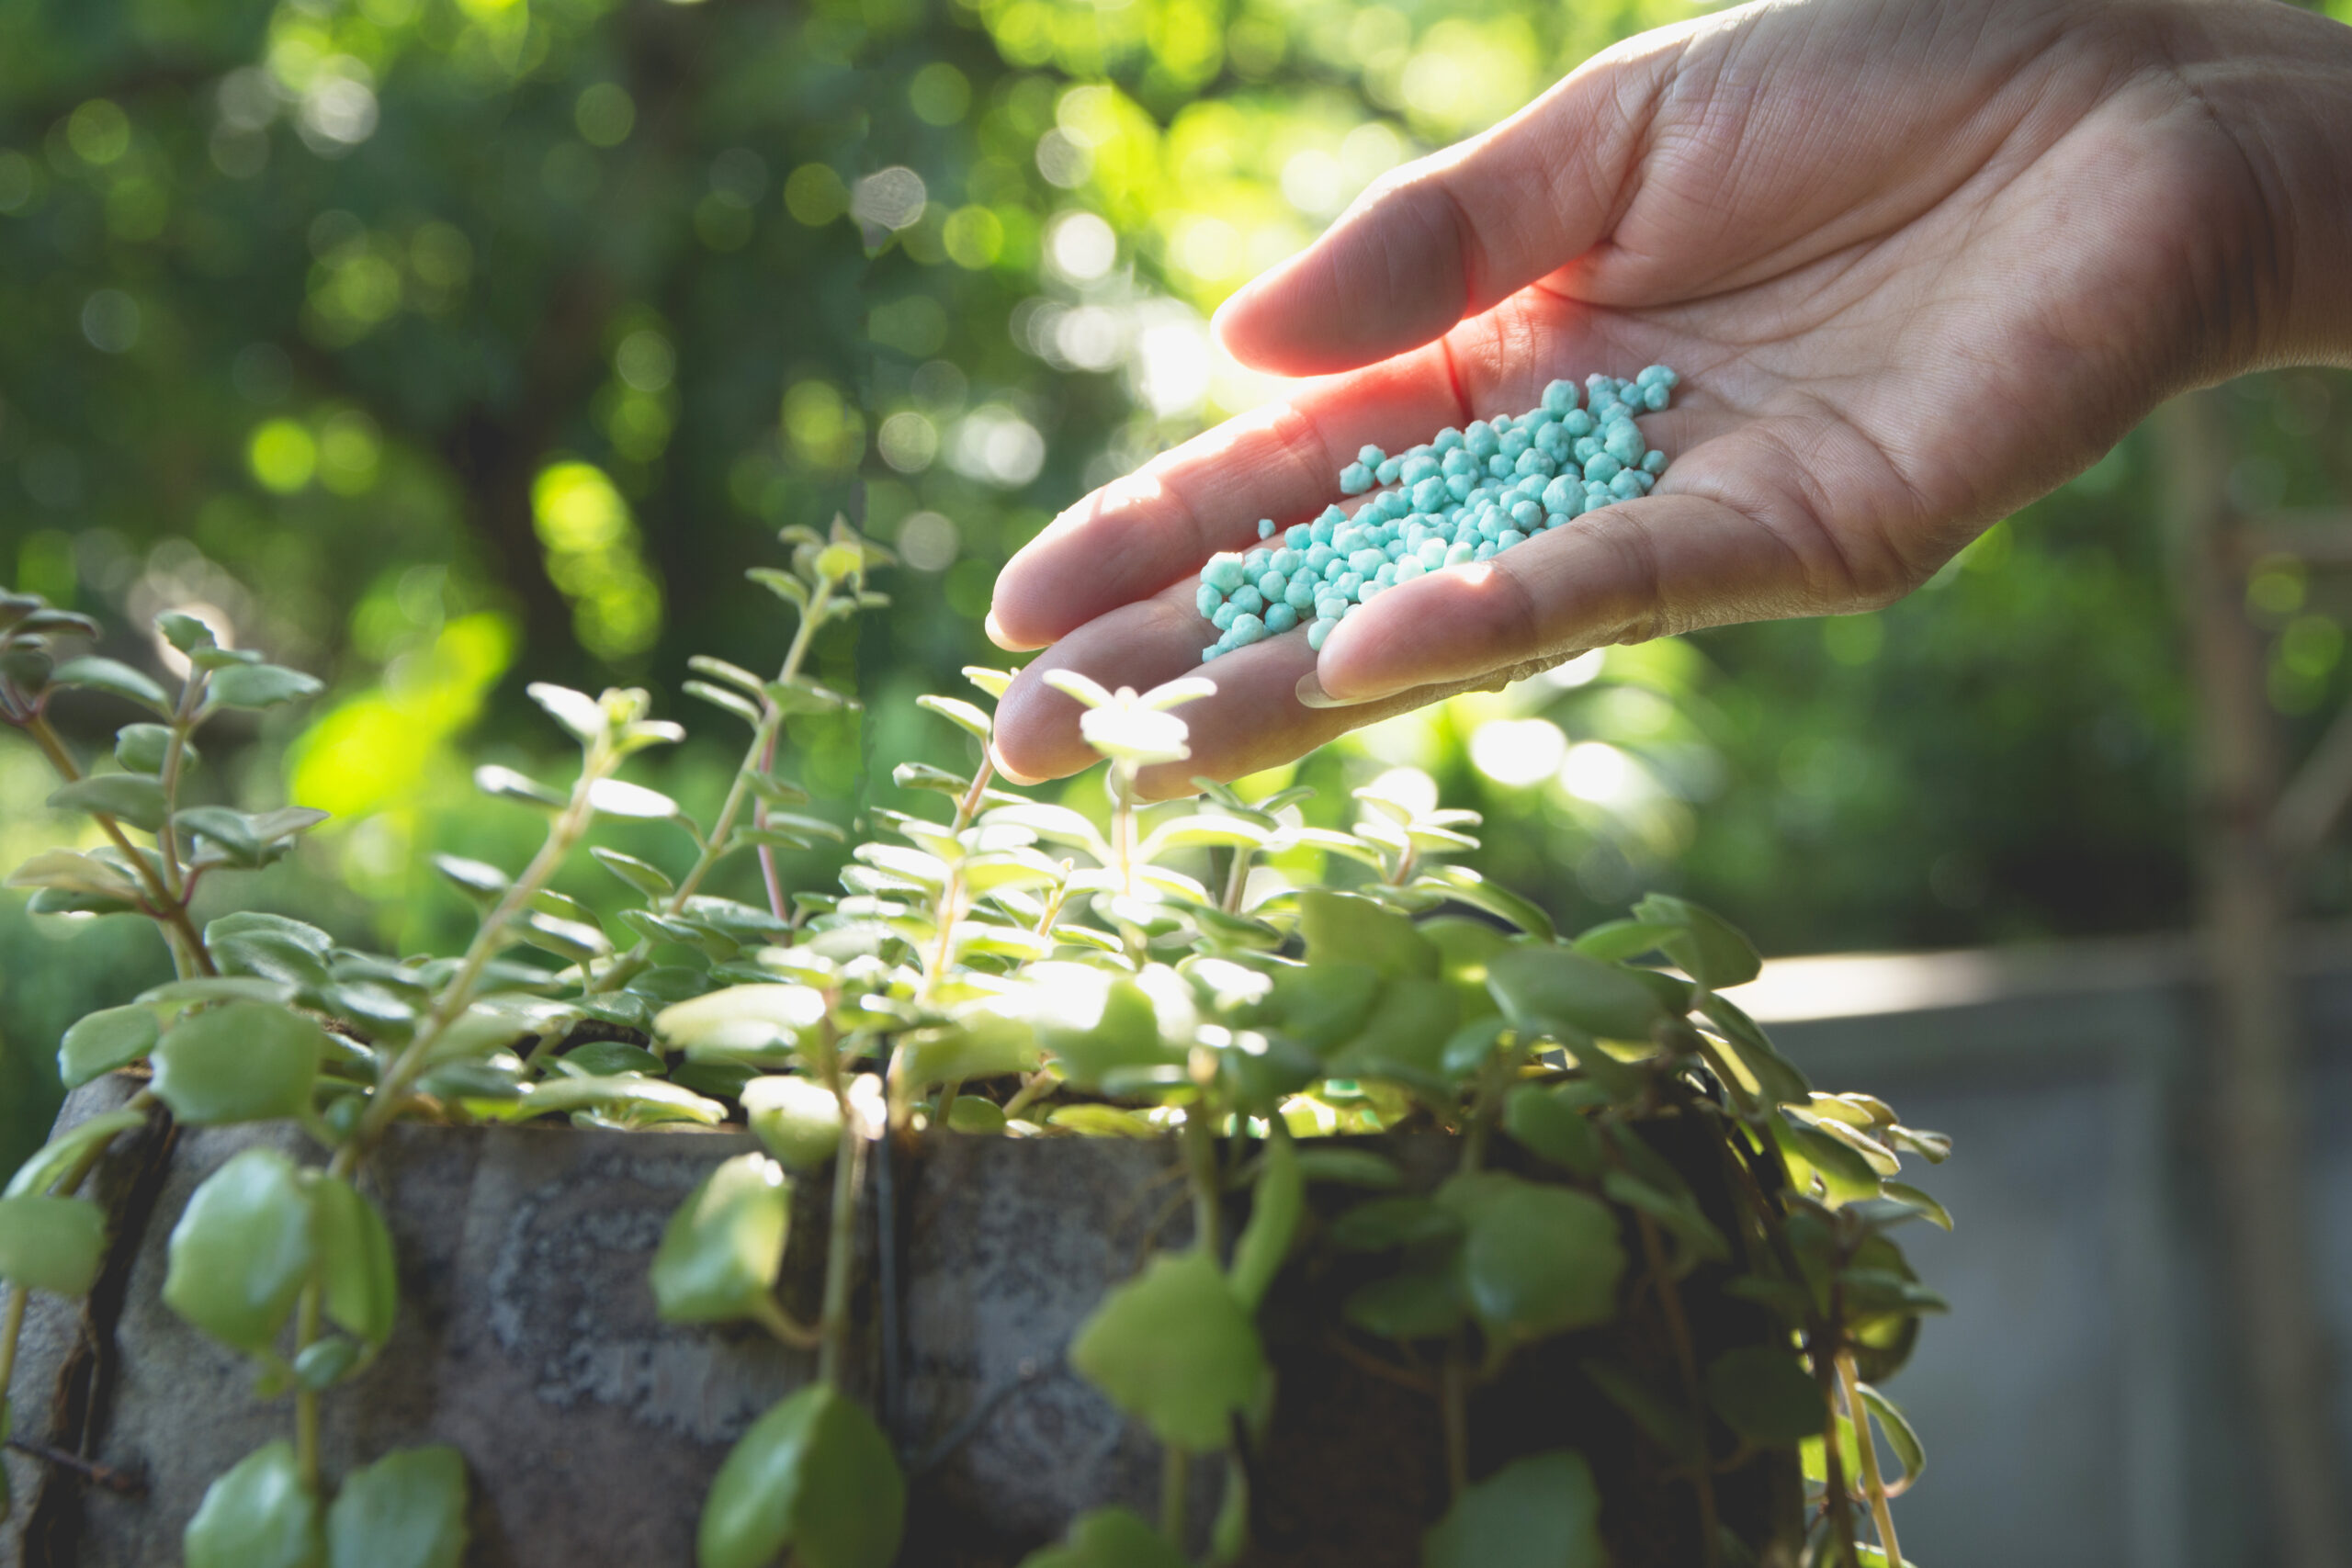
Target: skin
[(1918, 262)]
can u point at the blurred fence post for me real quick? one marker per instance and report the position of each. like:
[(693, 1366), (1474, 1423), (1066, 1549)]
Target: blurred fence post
[(2253, 1056)]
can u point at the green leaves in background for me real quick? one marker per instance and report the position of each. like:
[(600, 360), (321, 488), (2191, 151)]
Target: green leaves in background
[(259, 1515), (1536, 1259), (719, 1255), (51, 1244), (67, 1149), (1109, 1538), (1766, 1395), (1541, 987), (406, 1510), (799, 1119), (246, 1061), (1174, 1348), (242, 1250), (814, 1474), (1539, 1512)]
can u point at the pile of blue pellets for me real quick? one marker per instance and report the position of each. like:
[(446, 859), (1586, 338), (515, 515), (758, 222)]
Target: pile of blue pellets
[(1467, 496)]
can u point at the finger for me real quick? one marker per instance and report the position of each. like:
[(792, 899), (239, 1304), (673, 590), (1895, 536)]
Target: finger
[(1458, 232), (1739, 542), (1133, 539), (1253, 722)]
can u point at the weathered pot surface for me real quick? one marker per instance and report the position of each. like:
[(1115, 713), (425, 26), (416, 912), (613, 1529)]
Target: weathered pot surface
[(528, 1338)]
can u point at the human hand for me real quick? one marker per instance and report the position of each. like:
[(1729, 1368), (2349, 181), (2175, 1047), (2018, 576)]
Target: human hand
[(1918, 261)]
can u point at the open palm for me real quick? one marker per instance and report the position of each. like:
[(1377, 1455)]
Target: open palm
[(1917, 262)]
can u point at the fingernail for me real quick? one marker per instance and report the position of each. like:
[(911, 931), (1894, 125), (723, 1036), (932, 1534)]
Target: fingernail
[(995, 630), (1310, 693)]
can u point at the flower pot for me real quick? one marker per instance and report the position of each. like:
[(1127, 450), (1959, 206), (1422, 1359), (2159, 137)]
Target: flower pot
[(528, 1339)]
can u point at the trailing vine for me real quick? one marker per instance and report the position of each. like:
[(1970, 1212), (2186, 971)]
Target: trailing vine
[(1019, 968)]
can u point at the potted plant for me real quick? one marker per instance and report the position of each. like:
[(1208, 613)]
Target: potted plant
[(1062, 1190)]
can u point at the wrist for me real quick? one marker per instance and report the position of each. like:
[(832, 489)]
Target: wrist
[(2277, 81)]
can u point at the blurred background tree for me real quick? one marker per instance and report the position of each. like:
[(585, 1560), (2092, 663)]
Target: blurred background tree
[(439, 346)]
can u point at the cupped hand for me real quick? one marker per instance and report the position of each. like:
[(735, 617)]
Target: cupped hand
[(1917, 262)]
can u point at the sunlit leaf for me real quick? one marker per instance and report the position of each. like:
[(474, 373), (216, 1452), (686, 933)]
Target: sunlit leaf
[(1174, 1348)]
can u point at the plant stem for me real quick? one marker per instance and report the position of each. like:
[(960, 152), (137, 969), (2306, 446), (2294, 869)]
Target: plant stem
[(1199, 1159), (566, 831), (1454, 1406), (840, 1244), (174, 756), (1237, 879), (306, 1400), (12, 1328), (188, 953), (1866, 1447), (1833, 1458), (1175, 1492), (757, 758), (1687, 1362)]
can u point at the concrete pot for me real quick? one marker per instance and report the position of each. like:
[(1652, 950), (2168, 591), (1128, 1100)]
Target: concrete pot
[(528, 1338)]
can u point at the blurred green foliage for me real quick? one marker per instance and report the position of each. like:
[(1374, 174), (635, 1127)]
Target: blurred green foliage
[(435, 345)]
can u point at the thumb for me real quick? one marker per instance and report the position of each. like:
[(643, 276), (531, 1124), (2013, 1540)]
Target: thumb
[(1461, 230)]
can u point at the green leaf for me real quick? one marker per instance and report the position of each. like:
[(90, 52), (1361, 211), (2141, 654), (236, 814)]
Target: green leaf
[(1776, 1080), (1350, 1167), (1537, 1259), (1276, 1203), (81, 875), (270, 947), (1461, 882), (980, 1045), (1404, 1038), (1320, 1007), (1845, 1174), (406, 1510), (643, 876), (578, 712), (102, 1042), (51, 1244), (1766, 1395), (720, 697), (1900, 1435), (782, 584), (718, 1257), (199, 990), (507, 785), (325, 1362), (243, 1249), (250, 839), (362, 1283), (1094, 1021), (1109, 1538), (617, 797), (1912, 1198), (799, 1119), (959, 713), (1417, 1305), (260, 686), (259, 1515), (115, 679), (1660, 1416), (1617, 941), (1540, 987), (243, 1062), (1542, 1511), (1341, 927), (603, 1058), (1174, 1348), (1549, 1126), (1707, 948), (814, 1474), (1386, 1223), (184, 632), (1676, 1210), (482, 883), (133, 798), (742, 1017), (143, 747), (53, 1160)]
